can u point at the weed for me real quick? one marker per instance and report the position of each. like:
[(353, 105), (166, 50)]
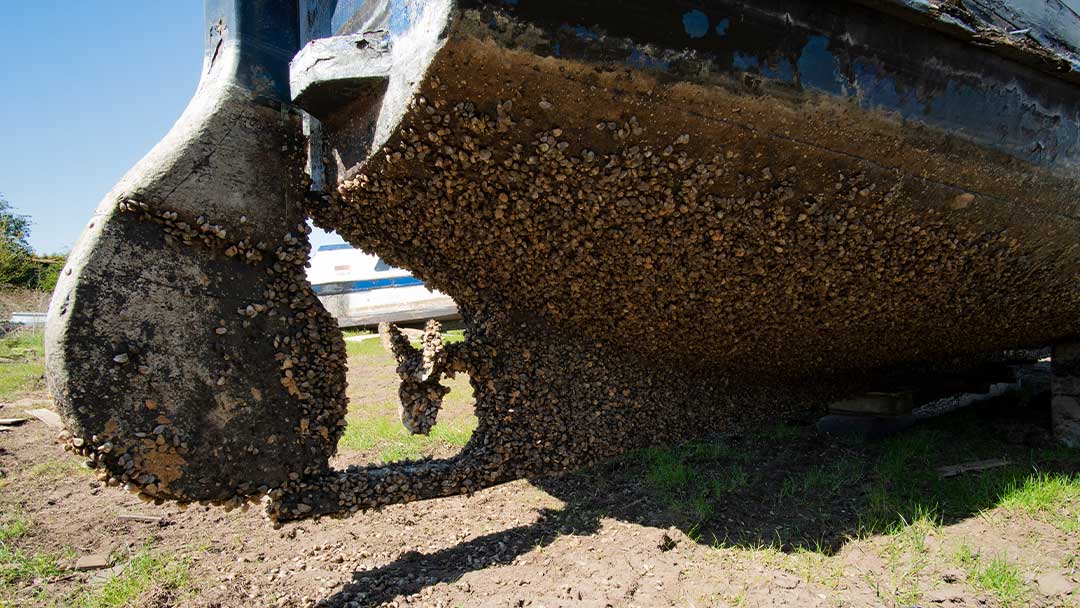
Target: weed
[(906, 555), (1003, 580), (825, 479), (372, 347), (57, 468), (1050, 497), (147, 571), (394, 442), (666, 471), (13, 525), (732, 479), (17, 565), (23, 363)]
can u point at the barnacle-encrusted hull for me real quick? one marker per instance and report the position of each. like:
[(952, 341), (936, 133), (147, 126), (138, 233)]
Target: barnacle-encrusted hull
[(654, 235)]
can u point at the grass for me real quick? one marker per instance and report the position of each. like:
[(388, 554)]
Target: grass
[(365, 348), (826, 478), (147, 571), (906, 485), (375, 425), (1054, 498), (17, 567), (997, 576), (59, 468), (907, 556), (693, 477), (373, 346), (13, 524), (23, 373), (385, 434)]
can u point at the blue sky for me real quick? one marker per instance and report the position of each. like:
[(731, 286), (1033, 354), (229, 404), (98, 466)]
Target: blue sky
[(88, 88)]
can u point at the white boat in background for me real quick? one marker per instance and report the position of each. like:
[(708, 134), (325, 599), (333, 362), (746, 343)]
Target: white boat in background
[(361, 290)]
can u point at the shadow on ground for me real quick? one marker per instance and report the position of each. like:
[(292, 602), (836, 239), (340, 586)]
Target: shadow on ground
[(788, 488)]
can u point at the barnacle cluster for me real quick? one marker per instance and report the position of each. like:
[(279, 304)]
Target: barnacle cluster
[(632, 269), (308, 349)]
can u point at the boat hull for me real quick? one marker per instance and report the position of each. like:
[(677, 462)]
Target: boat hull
[(658, 221), (649, 244)]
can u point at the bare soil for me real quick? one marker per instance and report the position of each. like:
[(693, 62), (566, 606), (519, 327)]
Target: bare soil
[(783, 524)]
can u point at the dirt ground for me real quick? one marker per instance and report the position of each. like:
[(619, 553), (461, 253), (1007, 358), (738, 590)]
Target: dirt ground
[(784, 517)]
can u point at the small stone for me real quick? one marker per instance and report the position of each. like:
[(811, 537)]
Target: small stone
[(962, 201), (92, 562), (1054, 584), (545, 104), (121, 358), (786, 581)]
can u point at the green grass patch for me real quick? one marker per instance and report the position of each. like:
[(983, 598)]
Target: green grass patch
[(395, 443), (147, 571), (13, 525), (25, 363), (23, 345), (907, 557), (373, 346), (905, 483), (1054, 498), (694, 477), (59, 468), (822, 479), (997, 576), (18, 566)]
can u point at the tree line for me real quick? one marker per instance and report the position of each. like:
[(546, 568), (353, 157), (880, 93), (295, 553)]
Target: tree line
[(19, 265)]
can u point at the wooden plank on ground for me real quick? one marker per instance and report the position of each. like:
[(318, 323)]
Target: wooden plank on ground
[(49, 417), (152, 519), (980, 465)]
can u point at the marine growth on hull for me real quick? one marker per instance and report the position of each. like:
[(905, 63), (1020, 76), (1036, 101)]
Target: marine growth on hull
[(640, 255), (635, 266)]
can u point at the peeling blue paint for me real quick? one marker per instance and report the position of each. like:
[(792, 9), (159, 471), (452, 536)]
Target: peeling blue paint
[(743, 62), (722, 27), (643, 60), (583, 32), (818, 68), (779, 70), (696, 23), (1005, 117), (875, 90)]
